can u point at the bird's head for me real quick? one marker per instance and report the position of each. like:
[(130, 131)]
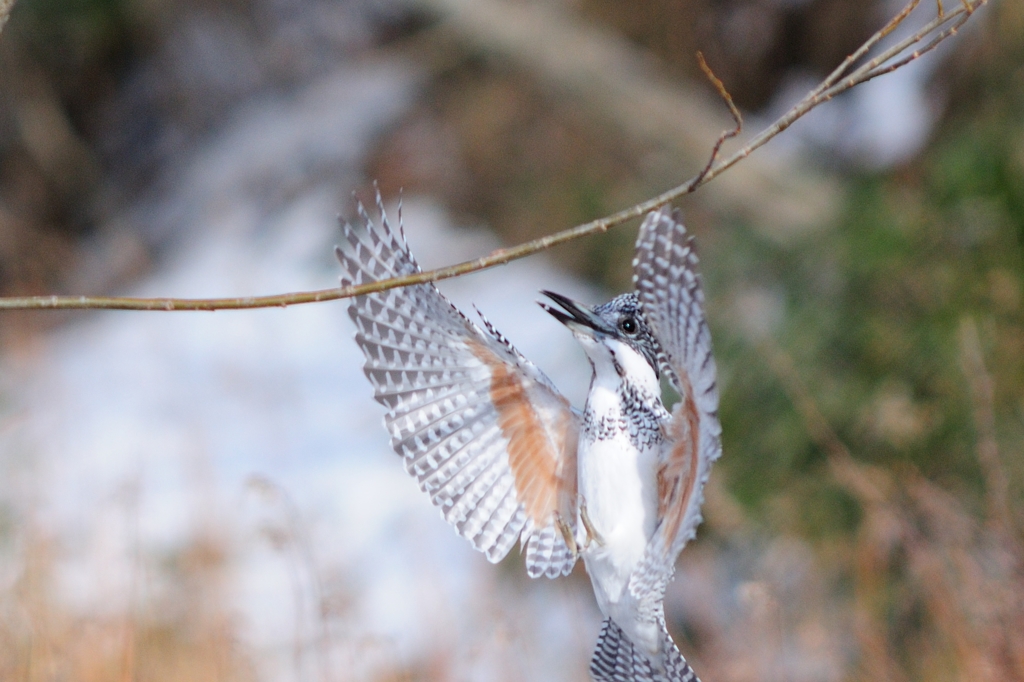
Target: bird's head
[(615, 331)]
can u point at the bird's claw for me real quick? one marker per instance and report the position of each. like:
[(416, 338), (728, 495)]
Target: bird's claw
[(592, 533), (570, 536), (567, 535)]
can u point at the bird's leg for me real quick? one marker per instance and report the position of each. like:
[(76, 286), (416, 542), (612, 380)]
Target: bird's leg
[(567, 535), (592, 533)]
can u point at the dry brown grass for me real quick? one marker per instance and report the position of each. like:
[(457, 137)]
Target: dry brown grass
[(926, 589), (179, 624), (186, 636), (938, 589), (938, 594)]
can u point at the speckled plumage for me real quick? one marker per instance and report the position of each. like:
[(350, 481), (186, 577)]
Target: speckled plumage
[(506, 458), (642, 421)]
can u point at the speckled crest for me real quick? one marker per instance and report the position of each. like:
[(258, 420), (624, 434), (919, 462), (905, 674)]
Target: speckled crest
[(627, 307)]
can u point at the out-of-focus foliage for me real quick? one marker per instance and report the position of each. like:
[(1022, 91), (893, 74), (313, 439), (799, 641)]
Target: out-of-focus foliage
[(869, 309), (58, 60), (890, 321)]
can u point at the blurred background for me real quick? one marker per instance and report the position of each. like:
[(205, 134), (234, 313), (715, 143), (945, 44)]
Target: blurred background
[(211, 496)]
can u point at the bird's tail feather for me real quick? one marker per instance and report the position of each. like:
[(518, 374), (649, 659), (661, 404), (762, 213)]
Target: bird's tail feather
[(617, 660)]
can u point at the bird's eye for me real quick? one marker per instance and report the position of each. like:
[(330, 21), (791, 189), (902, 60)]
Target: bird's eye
[(628, 325)]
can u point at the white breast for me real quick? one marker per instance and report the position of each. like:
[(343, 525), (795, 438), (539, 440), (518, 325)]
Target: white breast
[(618, 484)]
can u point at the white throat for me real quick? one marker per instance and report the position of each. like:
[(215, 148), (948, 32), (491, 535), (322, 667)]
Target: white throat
[(615, 361)]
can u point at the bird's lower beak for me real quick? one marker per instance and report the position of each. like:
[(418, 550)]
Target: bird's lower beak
[(575, 316)]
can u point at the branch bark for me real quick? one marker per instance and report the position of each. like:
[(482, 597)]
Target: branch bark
[(847, 75)]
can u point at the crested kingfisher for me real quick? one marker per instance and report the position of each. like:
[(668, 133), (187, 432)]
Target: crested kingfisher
[(506, 458)]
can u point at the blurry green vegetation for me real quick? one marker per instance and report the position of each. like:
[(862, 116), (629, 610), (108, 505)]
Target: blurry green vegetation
[(875, 316), (872, 307), (84, 19)]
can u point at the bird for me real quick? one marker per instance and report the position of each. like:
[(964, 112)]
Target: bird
[(508, 459)]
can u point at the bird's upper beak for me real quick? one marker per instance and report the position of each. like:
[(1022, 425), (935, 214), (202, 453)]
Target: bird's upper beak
[(575, 316)]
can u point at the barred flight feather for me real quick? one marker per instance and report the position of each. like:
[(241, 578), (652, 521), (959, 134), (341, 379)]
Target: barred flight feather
[(482, 430), (616, 659), (672, 299), (546, 551)]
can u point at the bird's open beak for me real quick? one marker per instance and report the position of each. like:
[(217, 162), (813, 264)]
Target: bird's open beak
[(575, 316)]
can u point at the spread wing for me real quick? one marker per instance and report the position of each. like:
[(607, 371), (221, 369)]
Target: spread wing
[(672, 299), (481, 428)]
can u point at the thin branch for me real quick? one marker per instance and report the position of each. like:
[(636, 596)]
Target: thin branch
[(830, 87), (840, 80), (931, 45), (881, 64), (736, 116), (868, 45)]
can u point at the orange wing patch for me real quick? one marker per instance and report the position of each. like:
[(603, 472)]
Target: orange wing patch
[(541, 448), (677, 474)]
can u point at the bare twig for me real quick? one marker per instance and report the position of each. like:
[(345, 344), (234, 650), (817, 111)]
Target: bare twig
[(943, 26), (886, 62), (868, 45), (736, 116), (833, 86), (620, 86)]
